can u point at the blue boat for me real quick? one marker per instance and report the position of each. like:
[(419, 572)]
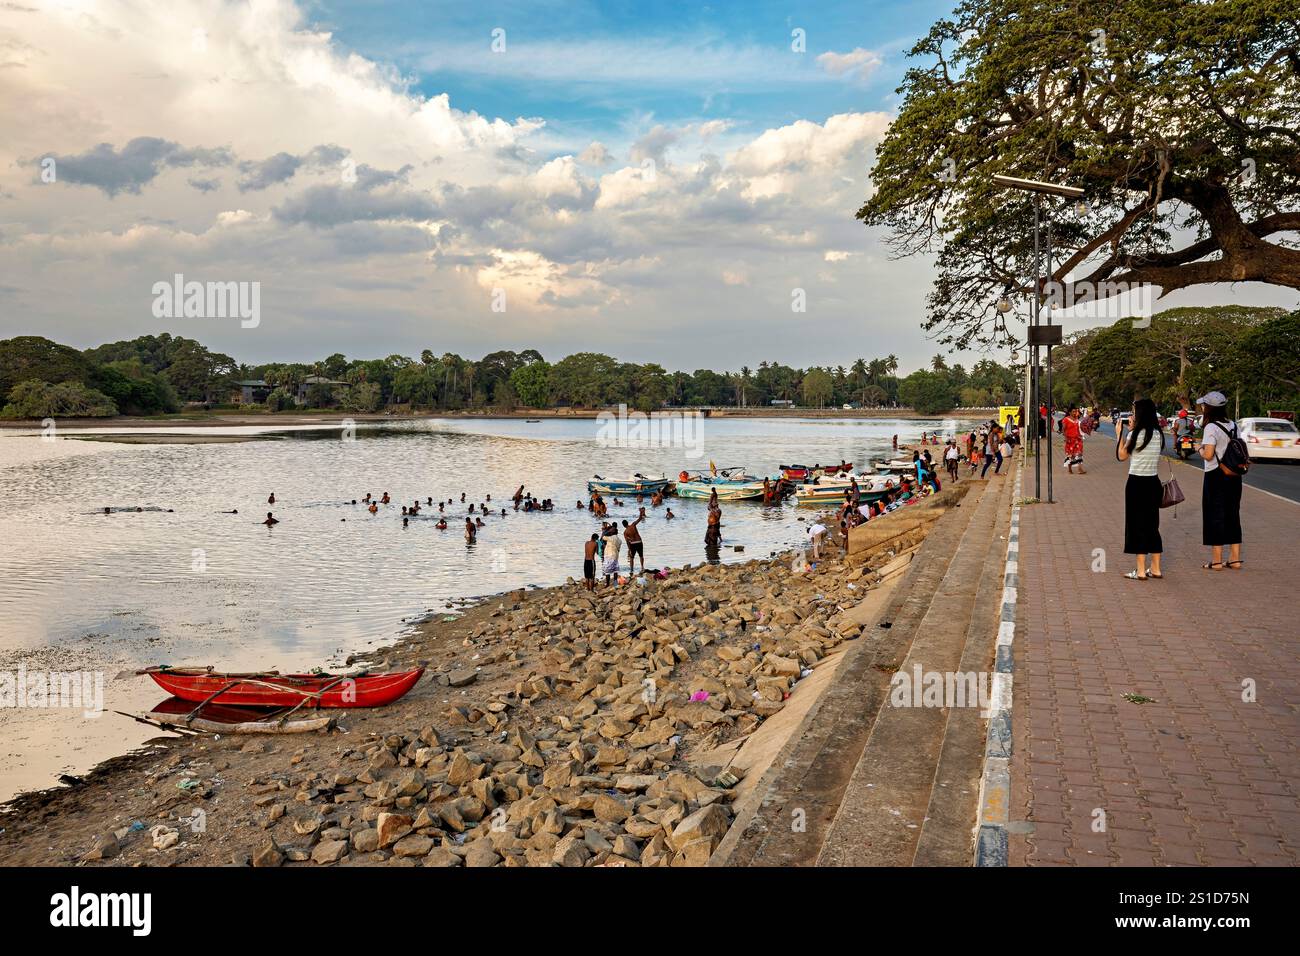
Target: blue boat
[(635, 485)]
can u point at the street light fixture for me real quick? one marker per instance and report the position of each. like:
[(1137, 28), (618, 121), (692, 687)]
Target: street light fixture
[(1039, 189)]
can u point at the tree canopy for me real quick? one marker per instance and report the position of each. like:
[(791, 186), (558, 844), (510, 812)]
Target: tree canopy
[(1178, 118)]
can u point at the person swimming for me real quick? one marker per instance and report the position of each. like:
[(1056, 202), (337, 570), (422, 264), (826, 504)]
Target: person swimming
[(442, 524), (107, 510), (403, 509), (271, 500), (405, 522), (668, 514), (270, 520), (374, 508), (470, 531), (385, 500)]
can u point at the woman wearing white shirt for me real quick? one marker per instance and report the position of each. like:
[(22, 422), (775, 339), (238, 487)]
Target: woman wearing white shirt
[(1143, 493), (1221, 491)]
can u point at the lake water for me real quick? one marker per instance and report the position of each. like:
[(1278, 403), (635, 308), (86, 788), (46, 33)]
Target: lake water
[(80, 590)]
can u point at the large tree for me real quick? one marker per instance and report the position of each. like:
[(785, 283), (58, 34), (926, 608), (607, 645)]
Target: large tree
[(1178, 118)]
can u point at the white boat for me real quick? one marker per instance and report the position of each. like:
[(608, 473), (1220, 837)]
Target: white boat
[(731, 484), (831, 490), (897, 466)]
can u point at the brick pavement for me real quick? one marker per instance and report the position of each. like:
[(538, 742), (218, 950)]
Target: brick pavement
[(1199, 776)]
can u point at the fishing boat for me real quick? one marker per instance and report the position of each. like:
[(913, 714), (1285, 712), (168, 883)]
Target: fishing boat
[(807, 472), (635, 485), (272, 689), (731, 484), (831, 490), (897, 466)]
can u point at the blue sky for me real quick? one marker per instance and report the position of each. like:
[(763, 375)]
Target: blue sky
[(595, 70)]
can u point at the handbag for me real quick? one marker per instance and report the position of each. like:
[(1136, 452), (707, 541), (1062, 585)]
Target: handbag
[(1170, 493)]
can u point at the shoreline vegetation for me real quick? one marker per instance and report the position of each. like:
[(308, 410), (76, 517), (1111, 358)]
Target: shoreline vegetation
[(233, 419), (554, 726)]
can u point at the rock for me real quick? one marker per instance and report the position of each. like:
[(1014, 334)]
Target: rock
[(442, 857), (268, 854), (105, 848), (462, 771), (695, 853), (571, 851), (366, 841), (558, 775), (462, 677), (482, 854), (709, 823), (330, 851), (611, 809), (413, 845), (392, 827), (626, 846), (632, 782)]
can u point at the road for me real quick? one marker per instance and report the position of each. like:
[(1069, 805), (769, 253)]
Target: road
[(1276, 477)]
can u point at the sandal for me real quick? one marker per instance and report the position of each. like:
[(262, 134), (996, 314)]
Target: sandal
[(1213, 566), (1134, 576), (1235, 565), (1156, 576)]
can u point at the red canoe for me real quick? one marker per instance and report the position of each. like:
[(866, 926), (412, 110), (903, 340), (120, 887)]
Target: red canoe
[(272, 689)]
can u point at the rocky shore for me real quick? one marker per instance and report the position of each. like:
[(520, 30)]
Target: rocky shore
[(554, 727)]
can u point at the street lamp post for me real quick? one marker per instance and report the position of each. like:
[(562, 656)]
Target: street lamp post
[(1039, 189)]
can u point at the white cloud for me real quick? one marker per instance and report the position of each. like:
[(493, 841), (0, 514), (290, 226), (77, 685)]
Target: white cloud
[(857, 64), (443, 204)]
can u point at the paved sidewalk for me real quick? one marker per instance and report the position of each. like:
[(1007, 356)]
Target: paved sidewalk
[(1198, 775)]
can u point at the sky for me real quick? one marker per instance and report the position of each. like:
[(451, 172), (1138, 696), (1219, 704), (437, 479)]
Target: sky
[(657, 181)]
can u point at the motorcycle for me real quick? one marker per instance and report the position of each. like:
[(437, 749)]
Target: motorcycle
[(1185, 446)]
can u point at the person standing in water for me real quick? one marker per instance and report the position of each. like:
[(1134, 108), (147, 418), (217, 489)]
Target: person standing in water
[(713, 533), (271, 520), (589, 562), (635, 546)]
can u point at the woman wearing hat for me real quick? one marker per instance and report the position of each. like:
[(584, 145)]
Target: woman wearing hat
[(1221, 491)]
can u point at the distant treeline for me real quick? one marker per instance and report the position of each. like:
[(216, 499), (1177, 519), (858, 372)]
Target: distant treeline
[(1251, 354), (156, 374)]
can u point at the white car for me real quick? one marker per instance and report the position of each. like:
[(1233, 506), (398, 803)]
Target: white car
[(1270, 438)]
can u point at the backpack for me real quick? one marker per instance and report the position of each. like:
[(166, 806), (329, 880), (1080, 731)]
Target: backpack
[(1235, 459)]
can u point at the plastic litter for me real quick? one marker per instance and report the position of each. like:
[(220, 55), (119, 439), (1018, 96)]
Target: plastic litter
[(700, 695)]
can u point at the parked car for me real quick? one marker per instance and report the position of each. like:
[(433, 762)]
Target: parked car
[(1273, 438)]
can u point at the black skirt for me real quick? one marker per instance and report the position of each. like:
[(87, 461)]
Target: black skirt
[(1220, 508), (1142, 497)]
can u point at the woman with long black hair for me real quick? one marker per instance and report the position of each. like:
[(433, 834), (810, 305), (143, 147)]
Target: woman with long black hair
[(1221, 492), (1143, 493)]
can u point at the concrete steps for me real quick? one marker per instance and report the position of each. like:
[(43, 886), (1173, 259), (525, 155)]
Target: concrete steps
[(947, 835), (912, 794)]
